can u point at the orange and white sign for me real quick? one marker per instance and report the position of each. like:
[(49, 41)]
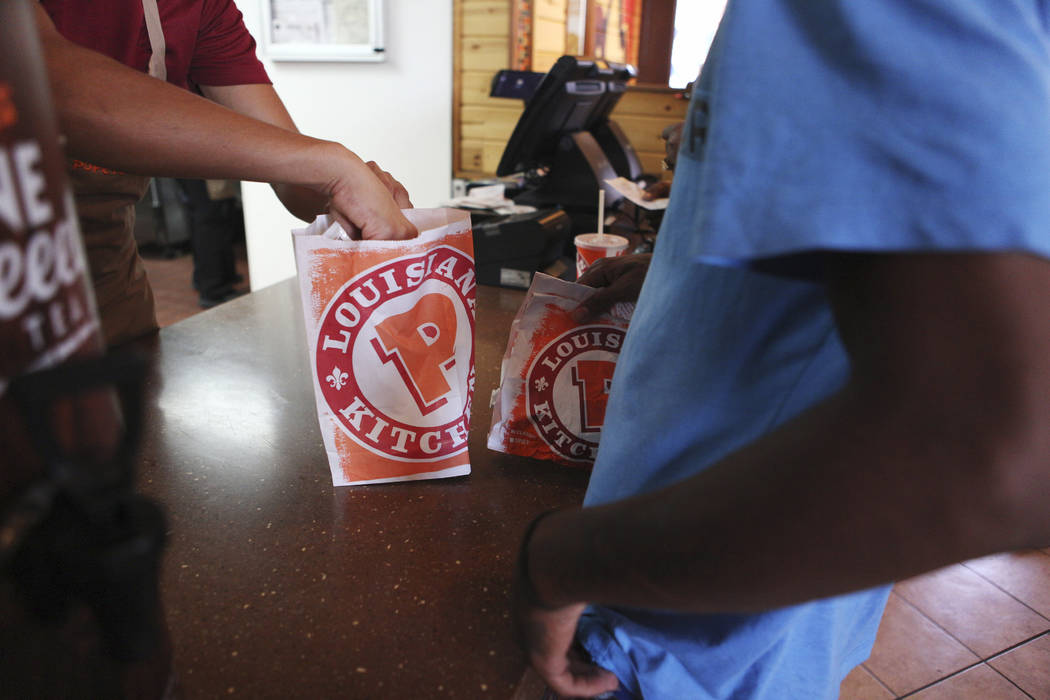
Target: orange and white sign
[(390, 330), (556, 376)]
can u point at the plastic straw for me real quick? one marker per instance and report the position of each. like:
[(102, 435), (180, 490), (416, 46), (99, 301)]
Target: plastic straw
[(601, 211)]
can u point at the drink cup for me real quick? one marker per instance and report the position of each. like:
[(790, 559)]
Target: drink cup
[(592, 246)]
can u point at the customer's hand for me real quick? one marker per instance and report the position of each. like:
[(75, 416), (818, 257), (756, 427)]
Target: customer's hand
[(548, 639), (367, 201), (547, 635), (618, 280)]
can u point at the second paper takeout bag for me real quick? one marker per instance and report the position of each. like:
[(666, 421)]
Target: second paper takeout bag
[(555, 376), (390, 335)]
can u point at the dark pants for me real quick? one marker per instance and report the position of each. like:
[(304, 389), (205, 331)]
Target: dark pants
[(214, 225)]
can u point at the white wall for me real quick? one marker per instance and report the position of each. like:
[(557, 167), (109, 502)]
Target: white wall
[(397, 113)]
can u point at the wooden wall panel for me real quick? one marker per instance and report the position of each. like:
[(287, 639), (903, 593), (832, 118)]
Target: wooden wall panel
[(476, 88), (643, 131), (652, 163), (470, 154), (485, 53), (483, 155), (486, 18), (654, 103), (481, 123), (489, 123), (548, 33), (476, 85), (643, 113)]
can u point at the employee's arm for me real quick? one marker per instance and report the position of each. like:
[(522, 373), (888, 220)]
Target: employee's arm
[(262, 102), (122, 119), (936, 451)]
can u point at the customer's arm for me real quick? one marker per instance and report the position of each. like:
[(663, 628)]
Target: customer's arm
[(122, 119), (936, 451), (618, 279)]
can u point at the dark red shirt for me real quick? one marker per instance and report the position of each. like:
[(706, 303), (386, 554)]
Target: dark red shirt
[(207, 42)]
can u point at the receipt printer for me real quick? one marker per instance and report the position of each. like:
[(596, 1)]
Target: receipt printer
[(508, 250)]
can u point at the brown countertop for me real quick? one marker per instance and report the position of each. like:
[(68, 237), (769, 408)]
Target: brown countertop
[(279, 585)]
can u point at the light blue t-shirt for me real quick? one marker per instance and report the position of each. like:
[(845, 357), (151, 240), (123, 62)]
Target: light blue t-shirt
[(817, 125)]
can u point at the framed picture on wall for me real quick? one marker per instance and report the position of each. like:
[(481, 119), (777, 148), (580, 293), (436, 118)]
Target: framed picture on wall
[(323, 30)]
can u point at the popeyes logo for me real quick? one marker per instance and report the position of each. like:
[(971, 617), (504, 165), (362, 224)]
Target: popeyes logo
[(567, 389), (395, 355)]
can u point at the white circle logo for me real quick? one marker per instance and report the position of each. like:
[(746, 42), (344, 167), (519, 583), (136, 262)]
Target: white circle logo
[(395, 355), (567, 388)]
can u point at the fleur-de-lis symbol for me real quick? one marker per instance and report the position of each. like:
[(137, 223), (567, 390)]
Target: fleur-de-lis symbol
[(541, 384), (337, 378)]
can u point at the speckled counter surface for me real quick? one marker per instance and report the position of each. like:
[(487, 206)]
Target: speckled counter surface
[(278, 585)]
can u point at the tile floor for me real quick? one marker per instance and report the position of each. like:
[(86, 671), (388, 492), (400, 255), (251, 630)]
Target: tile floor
[(973, 631), (979, 630), (172, 282)]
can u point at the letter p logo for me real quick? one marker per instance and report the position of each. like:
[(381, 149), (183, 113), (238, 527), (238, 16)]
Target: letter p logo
[(421, 344)]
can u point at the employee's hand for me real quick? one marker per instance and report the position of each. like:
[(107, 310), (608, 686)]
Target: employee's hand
[(366, 200), (657, 190), (395, 188), (618, 280)]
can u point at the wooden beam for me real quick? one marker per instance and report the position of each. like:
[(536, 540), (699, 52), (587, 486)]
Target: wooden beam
[(654, 44)]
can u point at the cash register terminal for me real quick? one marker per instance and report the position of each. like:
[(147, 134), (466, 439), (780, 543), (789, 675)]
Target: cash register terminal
[(562, 150), (565, 144)]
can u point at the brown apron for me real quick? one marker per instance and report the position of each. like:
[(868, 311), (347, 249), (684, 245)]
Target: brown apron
[(105, 203)]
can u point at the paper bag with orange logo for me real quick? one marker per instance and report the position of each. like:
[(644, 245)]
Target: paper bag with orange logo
[(555, 376), (390, 333)]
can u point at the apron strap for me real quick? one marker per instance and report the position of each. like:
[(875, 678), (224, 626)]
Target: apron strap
[(157, 68)]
